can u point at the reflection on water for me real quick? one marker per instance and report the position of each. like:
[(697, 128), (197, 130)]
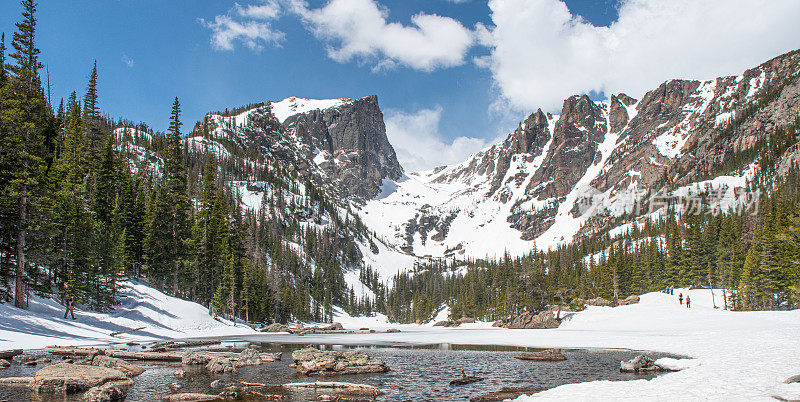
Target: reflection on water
[(423, 372)]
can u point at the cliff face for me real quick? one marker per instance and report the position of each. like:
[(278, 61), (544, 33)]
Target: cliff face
[(352, 144), (555, 177)]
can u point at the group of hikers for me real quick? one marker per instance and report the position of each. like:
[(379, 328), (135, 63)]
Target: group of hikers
[(670, 290)]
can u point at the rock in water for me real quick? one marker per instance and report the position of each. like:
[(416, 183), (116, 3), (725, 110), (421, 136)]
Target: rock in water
[(550, 355), (312, 361), (506, 393), (195, 359), (249, 357), (641, 363), (110, 391), (221, 365), (72, 378), (190, 397), (130, 369)]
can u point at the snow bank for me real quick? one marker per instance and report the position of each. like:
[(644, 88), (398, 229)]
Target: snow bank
[(162, 316), (730, 355)]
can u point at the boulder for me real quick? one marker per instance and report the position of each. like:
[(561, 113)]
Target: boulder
[(641, 363), (312, 361), (506, 393), (110, 391), (190, 397), (632, 299), (217, 384), (72, 378), (528, 320), (195, 359), (333, 327), (221, 365), (549, 355), (392, 330), (276, 327), (598, 301), (465, 320), (249, 357), (130, 369), (446, 323), (270, 357), (4, 364)]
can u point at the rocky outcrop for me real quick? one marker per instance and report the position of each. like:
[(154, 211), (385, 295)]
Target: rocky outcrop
[(275, 327), (110, 391), (130, 369), (639, 364), (312, 361), (63, 378), (528, 320), (221, 365), (354, 137)]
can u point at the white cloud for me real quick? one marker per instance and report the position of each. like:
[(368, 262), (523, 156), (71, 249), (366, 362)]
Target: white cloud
[(127, 60), (541, 54), (250, 25), (358, 29), (418, 144)]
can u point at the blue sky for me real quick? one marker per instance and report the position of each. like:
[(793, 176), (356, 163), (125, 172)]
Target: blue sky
[(149, 51)]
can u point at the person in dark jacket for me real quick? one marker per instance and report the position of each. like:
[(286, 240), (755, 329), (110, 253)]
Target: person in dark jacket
[(688, 302), (70, 303), (680, 298)]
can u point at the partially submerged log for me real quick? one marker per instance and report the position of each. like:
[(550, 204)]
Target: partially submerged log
[(16, 381), (150, 356), (550, 355), (506, 393), (73, 351), (469, 379), (7, 354), (339, 387), (190, 397), (639, 364)]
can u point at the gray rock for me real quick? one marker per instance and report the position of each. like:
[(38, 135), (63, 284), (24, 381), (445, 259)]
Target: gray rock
[(276, 327), (110, 391), (221, 365), (793, 379), (312, 361), (130, 369), (72, 378), (249, 357)]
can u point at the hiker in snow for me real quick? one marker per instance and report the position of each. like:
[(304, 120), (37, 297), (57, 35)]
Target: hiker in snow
[(70, 303), (688, 302), (680, 298), (672, 290)]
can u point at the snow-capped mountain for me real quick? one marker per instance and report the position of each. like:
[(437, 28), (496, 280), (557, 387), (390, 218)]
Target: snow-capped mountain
[(584, 171), (557, 176)]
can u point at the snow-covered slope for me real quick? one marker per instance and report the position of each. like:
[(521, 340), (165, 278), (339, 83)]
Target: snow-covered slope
[(558, 177), (733, 355), (162, 317), (293, 105)]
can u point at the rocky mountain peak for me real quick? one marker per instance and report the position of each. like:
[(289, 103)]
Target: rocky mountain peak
[(351, 145)]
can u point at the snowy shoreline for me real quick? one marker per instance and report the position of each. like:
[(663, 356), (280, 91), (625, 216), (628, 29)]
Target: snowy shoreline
[(734, 355)]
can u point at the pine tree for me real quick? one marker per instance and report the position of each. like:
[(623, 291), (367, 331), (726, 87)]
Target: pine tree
[(24, 113), (176, 196)]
